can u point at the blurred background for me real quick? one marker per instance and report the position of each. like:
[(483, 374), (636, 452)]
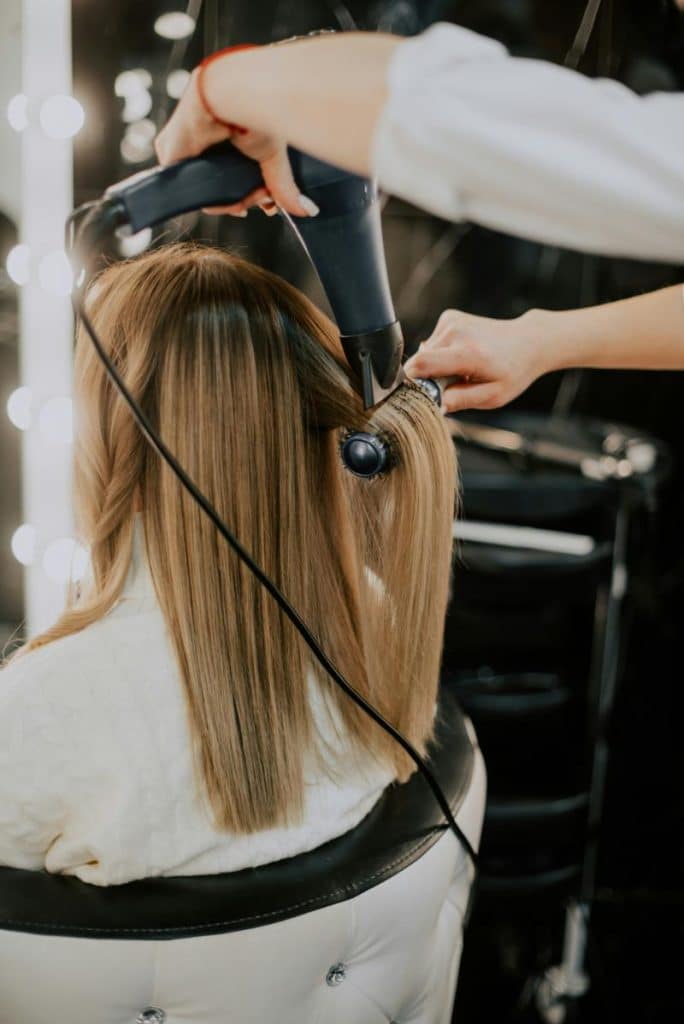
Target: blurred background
[(563, 643)]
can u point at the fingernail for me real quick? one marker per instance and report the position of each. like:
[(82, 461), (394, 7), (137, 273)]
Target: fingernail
[(242, 213), (308, 204)]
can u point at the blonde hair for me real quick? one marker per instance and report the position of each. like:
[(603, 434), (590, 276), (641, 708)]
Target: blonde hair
[(246, 382)]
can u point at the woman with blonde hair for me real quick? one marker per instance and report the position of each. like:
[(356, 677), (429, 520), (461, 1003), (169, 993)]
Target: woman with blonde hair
[(172, 721)]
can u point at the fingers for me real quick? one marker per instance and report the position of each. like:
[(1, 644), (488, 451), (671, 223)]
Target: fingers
[(452, 352), (233, 211), (279, 189), (440, 361), (472, 385), (450, 318), (280, 183), (241, 210), (266, 206), (473, 396), (189, 130), (450, 323), (177, 141), (254, 198), (464, 390)]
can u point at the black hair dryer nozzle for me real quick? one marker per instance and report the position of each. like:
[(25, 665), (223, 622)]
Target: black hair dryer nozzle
[(376, 358)]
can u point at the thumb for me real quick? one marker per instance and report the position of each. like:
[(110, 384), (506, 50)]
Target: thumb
[(459, 397), (439, 362)]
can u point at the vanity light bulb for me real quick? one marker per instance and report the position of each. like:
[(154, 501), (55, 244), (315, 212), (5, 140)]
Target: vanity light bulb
[(19, 408), (61, 117), (23, 544), (17, 112), (65, 560), (174, 25)]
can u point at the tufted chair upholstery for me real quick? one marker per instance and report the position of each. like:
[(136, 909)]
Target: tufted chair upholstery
[(365, 930)]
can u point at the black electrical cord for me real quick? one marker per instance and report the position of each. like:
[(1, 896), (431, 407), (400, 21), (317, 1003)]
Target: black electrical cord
[(159, 446)]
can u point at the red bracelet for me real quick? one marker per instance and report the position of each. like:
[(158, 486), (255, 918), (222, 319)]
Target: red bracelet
[(200, 85)]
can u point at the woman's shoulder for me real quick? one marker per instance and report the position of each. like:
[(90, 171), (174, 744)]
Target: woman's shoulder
[(67, 664), (89, 669), (52, 669)]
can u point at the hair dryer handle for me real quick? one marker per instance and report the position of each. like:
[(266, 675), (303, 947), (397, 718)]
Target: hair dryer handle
[(218, 177)]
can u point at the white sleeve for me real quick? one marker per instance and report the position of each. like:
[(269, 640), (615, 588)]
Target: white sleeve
[(528, 147)]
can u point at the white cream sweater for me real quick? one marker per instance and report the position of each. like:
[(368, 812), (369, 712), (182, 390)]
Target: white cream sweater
[(96, 772)]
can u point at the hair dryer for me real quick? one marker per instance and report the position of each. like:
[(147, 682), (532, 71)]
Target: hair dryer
[(344, 242)]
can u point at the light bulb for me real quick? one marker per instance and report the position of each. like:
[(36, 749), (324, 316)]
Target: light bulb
[(142, 131), (137, 106), (17, 112), (61, 117), (19, 408), (174, 25), (127, 83), (176, 83), (136, 144), (65, 560), (23, 544), (55, 273), (56, 421), (18, 264)]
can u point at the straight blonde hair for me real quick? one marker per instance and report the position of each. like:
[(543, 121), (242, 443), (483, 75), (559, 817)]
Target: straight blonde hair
[(246, 382)]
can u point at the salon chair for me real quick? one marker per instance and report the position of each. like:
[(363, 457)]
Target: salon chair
[(365, 929)]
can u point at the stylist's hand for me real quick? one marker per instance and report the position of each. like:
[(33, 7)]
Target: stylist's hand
[(487, 363), (191, 129)]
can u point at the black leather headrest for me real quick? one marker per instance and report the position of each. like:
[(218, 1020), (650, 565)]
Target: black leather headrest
[(402, 826)]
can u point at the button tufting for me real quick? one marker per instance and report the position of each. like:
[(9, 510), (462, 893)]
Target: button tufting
[(336, 975), (151, 1015)]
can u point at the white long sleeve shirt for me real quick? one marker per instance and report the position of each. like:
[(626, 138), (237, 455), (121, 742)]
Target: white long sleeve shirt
[(527, 147), (96, 771)]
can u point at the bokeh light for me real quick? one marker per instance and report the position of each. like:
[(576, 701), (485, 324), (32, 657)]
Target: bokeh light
[(128, 83), (176, 83), (23, 544), (174, 25), (17, 112), (19, 408), (65, 560), (137, 143), (61, 117), (137, 106), (18, 264)]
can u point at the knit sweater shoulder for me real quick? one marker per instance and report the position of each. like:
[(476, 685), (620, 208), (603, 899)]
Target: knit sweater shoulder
[(97, 776)]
